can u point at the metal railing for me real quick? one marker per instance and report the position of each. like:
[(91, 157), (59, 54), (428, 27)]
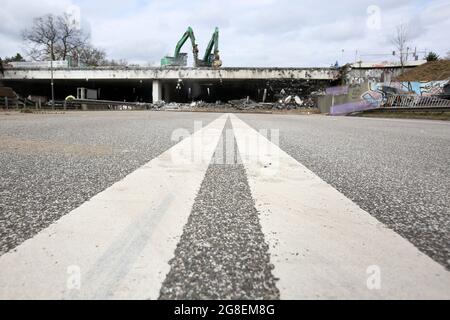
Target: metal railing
[(106, 104), (415, 101)]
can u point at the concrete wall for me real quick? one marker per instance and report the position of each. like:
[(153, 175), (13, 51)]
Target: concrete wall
[(361, 72), (376, 75), (326, 102), (351, 96)]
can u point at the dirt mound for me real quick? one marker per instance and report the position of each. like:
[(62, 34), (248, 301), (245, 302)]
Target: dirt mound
[(430, 71)]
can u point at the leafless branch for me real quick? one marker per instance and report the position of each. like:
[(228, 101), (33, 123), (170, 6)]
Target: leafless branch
[(400, 41)]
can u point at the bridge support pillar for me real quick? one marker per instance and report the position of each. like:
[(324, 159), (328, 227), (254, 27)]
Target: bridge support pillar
[(156, 90)]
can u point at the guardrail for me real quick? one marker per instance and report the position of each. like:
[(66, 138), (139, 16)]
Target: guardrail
[(15, 103), (73, 104), (40, 64), (105, 104), (415, 101)]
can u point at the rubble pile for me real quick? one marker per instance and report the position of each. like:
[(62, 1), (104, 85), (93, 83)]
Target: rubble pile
[(294, 102), (288, 94), (289, 103), (245, 104), (284, 100)]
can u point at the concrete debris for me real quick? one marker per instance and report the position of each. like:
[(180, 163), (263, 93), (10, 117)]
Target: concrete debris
[(288, 99), (246, 103), (171, 106), (158, 104)]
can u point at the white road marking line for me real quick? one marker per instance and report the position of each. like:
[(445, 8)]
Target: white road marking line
[(321, 243), (122, 239)]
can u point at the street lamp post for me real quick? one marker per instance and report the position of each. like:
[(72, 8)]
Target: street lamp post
[(52, 84)]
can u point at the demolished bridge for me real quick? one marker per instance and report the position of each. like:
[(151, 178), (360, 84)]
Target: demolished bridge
[(169, 83)]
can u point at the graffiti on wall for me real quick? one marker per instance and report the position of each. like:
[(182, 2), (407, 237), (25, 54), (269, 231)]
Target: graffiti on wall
[(359, 76), (421, 88), (373, 98), (357, 99), (377, 94), (432, 87)]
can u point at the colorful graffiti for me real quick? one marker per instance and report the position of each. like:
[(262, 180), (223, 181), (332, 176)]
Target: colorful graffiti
[(433, 87), (373, 98), (377, 86), (357, 99), (421, 88)]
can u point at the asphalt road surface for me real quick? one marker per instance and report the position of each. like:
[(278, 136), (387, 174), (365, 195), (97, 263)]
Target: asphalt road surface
[(178, 205), (51, 164)]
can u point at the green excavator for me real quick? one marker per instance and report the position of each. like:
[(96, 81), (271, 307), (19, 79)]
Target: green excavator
[(180, 59), (209, 59)]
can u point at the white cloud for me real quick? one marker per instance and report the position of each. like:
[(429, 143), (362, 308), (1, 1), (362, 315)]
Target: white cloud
[(252, 32)]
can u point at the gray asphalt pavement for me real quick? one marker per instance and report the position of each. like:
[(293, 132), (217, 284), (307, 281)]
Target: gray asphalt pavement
[(222, 253), (52, 163), (397, 170)]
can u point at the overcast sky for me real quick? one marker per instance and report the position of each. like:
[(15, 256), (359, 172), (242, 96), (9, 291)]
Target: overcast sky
[(283, 33)]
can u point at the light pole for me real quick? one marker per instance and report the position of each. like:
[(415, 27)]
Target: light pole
[(52, 84)]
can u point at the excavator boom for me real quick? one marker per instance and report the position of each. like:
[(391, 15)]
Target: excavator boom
[(214, 42), (180, 59), (211, 59), (188, 34)]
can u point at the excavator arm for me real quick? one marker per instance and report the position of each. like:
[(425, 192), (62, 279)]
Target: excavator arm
[(212, 59), (214, 42), (189, 34), (180, 59)]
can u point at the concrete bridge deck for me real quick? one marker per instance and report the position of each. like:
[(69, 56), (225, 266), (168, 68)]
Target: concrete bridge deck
[(151, 73)]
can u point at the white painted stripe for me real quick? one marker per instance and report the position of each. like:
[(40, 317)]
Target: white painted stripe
[(321, 243), (122, 239)]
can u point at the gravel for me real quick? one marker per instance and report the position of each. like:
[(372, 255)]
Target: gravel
[(397, 170), (52, 163), (222, 253)]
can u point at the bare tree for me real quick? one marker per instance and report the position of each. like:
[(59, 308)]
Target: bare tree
[(43, 37), (400, 41), (91, 56), (59, 37), (71, 37), (54, 37)]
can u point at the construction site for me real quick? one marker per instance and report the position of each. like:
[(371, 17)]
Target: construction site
[(209, 86), (226, 156)]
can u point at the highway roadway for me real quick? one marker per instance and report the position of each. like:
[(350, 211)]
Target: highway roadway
[(179, 205)]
